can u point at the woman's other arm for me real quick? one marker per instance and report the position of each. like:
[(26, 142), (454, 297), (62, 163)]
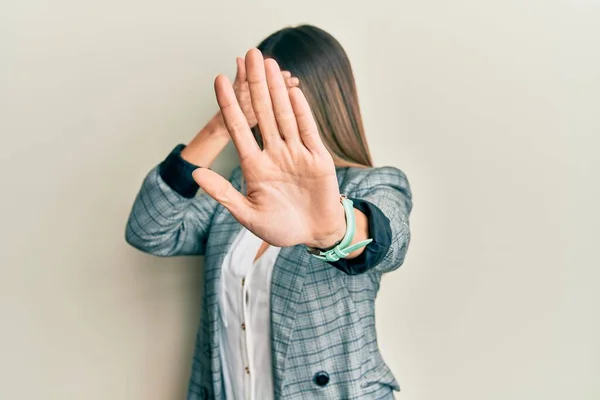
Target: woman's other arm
[(167, 219)]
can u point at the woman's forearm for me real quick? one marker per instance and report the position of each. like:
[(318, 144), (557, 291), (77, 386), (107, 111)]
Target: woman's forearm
[(159, 222), (204, 148)]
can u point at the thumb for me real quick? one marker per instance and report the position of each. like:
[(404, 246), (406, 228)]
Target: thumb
[(223, 191)]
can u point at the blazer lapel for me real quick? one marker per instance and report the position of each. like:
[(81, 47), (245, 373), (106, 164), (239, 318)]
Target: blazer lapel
[(287, 282), (289, 275), (288, 278)]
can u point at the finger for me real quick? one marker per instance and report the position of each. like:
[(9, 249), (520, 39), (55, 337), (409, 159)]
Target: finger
[(261, 99), (234, 118), (309, 132), (292, 81), (286, 74), (222, 191), (240, 76), (284, 114)]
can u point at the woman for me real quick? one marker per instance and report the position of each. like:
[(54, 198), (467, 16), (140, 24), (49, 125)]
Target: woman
[(292, 267)]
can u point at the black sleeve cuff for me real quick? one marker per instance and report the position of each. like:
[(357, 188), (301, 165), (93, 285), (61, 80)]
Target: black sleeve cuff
[(381, 233), (177, 173)]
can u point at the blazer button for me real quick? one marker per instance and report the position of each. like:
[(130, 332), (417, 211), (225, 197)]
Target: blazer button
[(321, 378)]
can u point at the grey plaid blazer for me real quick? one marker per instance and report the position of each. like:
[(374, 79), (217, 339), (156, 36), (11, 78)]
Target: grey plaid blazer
[(321, 318)]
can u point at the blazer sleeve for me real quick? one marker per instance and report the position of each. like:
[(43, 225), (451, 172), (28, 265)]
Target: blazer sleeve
[(388, 189), (380, 233), (167, 218)]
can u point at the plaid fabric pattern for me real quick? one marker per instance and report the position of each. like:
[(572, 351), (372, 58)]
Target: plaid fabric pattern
[(321, 318)]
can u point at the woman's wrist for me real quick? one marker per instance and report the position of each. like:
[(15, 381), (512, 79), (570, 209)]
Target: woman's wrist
[(330, 236), (204, 148), (329, 241), (361, 233)]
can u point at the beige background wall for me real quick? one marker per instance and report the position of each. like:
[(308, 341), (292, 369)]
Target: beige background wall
[(490, 107)]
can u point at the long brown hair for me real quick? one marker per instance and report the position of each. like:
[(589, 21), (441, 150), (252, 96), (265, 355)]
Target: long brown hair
[(320, 63)]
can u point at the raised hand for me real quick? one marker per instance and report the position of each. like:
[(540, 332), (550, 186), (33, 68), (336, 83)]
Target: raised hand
[(211, 139), (292, 190), (242, 90)]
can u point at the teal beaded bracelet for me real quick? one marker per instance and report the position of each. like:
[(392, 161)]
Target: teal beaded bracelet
[(343, 248)]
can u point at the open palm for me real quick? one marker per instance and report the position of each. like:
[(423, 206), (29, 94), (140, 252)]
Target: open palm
[(292, 194)]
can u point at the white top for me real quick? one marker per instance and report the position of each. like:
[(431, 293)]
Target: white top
[(245, 301)]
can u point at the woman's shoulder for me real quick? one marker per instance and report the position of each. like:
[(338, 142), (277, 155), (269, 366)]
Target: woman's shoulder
[(356, 181)]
